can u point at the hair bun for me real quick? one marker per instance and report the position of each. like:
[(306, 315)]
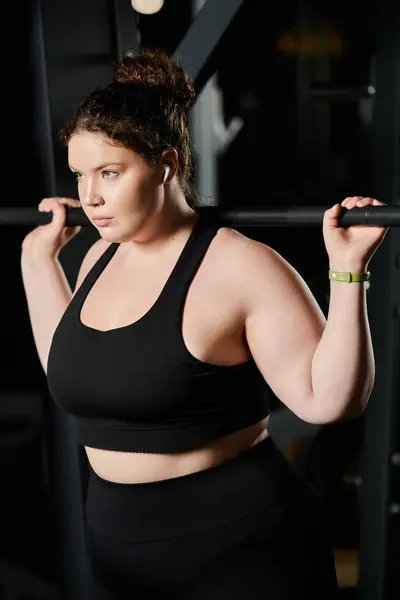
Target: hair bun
[(156, 69)]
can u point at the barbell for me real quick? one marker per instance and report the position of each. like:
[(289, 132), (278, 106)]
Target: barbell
[(276, 216)]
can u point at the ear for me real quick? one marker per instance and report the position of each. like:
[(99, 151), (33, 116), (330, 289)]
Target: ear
[(169, 164)]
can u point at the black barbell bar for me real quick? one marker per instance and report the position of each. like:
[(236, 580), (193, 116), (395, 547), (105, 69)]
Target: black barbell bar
[(275, 216)]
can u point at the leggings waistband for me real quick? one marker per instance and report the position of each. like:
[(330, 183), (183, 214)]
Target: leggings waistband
[(256, 479)]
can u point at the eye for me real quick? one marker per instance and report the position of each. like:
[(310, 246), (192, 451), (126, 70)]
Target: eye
[(77, 175), (112, 173)]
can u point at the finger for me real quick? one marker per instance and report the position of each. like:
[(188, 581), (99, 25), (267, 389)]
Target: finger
[(350, 201), (370, 201), (364, 202), (45, 207), (47, 203), (58, 200), (59, 215), (356, 201), (69, 202), (331, 216)]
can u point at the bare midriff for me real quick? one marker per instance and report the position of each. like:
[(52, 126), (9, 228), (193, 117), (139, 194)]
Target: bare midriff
[(137, 467)]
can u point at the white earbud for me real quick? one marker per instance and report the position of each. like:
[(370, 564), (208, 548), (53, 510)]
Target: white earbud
[(167, 170)]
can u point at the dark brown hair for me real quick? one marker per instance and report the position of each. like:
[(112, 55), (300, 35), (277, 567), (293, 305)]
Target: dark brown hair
[(145, 108)]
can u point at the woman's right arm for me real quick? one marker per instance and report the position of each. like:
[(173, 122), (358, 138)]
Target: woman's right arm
[(48, 293)]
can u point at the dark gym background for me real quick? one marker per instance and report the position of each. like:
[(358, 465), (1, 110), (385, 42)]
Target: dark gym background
[(309, 114)]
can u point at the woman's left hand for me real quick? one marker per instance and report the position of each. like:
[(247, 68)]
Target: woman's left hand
[(351, 248)]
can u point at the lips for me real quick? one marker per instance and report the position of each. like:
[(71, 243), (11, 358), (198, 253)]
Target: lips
[(102, 221)]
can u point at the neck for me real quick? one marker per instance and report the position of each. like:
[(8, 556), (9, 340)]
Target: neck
[(171, 222)]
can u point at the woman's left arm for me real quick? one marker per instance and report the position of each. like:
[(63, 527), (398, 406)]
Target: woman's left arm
[(322, 369), (343, 366)]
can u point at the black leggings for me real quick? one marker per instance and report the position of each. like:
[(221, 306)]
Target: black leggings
[(248, 528)]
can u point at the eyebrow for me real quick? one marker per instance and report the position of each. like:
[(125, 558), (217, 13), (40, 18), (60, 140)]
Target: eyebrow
[(100, 167)]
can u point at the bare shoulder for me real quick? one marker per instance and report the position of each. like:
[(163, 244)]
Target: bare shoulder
[(243, 254), (95, 251), (259, 271), (241, 246)]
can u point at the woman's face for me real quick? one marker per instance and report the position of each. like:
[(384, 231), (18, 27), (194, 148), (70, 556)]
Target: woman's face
[(114, 182)]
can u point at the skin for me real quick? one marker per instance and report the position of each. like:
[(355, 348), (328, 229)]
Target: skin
[(245, 300), (146, 210), (151, 220)]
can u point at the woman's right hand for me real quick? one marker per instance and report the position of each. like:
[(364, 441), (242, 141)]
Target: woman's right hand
[(48, 240)]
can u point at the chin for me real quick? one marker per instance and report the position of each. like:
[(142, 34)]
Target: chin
[(112, 237), (108, 236)]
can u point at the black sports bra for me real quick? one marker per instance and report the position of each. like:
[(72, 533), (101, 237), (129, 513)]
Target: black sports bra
[(137, 388)]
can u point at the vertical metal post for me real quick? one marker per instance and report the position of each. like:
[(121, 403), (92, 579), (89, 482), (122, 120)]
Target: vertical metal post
[(380, 508), (64, 459), (196, 54), (42, 122), (204, 142)]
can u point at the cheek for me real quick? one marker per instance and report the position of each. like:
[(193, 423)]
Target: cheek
[(81, 190), (138, 190)]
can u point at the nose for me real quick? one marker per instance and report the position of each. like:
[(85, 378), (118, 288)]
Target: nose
[(93, 200)]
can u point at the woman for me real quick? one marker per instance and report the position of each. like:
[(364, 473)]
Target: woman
[(163, 352)]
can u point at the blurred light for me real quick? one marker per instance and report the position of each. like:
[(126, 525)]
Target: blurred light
[(310, 43), (147, 7)]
